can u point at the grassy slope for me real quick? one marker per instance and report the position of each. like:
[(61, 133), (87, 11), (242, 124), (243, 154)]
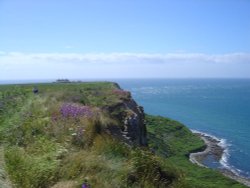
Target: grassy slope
[(174, 141), (43, 149)]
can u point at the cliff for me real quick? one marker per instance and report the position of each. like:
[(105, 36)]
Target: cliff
[(70, 133), (132, 129)]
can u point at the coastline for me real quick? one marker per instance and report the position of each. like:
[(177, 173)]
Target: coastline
[(216, 151)]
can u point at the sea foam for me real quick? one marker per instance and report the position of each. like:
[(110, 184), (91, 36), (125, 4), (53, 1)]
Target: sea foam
[(224, 161)]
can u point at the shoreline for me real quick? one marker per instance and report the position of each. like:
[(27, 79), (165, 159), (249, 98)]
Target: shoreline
[(215, 151)]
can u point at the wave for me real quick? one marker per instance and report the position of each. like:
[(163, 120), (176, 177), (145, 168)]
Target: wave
[(224, 161)]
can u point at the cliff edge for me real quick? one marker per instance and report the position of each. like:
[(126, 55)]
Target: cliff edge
[(131, 117), (69, 134)]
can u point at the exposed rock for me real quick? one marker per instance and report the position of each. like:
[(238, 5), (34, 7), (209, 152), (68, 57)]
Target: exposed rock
[(134, 125), (132, 128)]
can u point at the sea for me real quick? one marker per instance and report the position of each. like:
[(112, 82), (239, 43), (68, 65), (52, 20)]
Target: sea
[(216, 107)]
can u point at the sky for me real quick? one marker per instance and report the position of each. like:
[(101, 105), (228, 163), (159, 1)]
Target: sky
[(79, 39)]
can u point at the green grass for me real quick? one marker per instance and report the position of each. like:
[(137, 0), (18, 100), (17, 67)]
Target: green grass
[(173, 141), (43, 148)]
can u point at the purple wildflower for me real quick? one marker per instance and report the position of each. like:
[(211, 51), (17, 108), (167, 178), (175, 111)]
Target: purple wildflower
[(74, 110), (120, 92), (84, 185)]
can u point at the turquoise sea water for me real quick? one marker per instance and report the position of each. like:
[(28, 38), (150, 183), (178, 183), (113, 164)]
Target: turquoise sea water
[(219, 107)]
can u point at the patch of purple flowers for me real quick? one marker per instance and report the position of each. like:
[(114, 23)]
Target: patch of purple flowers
[(74, 110), (120, 92)]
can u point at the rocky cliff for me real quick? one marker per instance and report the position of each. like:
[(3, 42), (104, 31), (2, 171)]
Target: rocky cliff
[(70, 133), (131, 118)]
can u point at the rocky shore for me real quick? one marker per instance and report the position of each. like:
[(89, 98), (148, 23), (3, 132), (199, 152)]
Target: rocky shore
[(214, 151)]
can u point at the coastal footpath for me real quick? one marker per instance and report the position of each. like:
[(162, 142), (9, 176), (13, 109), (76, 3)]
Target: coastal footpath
[(94, 133)]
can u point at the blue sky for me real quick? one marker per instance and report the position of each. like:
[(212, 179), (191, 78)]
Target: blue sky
[(124, 38)]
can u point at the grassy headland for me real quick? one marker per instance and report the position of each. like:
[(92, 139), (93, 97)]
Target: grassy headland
[(71, 132)]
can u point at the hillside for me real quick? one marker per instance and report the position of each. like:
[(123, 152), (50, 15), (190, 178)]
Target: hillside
[(68, 133)]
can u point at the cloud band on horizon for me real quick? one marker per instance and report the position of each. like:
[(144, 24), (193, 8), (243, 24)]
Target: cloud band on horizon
[(17, 64)]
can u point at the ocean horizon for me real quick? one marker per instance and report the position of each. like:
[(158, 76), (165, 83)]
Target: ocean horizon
[(217, 107)]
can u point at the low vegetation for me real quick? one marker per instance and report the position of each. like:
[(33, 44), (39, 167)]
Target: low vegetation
[(58, 138), (173, 141)]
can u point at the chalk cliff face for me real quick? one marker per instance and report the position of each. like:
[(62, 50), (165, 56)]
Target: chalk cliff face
[(131, 118)]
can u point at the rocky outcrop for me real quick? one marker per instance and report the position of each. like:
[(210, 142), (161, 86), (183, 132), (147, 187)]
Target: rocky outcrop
[(132, 128)]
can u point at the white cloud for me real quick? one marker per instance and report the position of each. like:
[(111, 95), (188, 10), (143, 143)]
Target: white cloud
[(15, 65), (126, 57)]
